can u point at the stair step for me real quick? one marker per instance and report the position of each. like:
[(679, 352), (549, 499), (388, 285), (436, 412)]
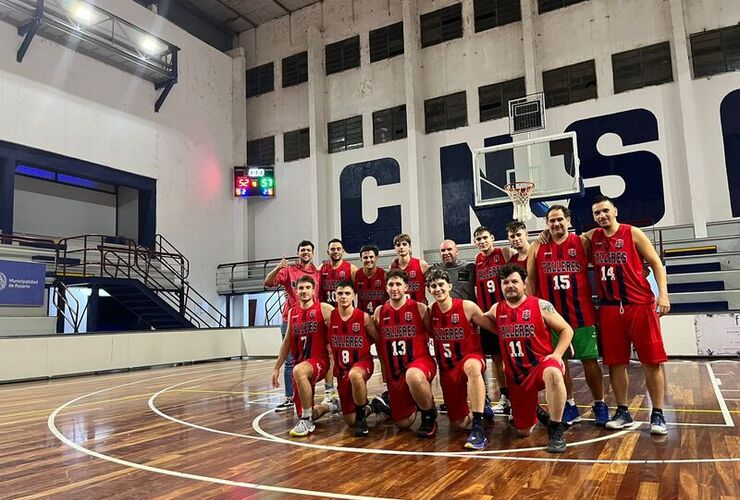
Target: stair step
[(694, 268), (698, 286), (699, 307), (701, 250)]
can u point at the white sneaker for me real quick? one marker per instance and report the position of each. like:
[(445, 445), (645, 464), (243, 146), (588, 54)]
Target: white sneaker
[(328, 396), (304, 427)]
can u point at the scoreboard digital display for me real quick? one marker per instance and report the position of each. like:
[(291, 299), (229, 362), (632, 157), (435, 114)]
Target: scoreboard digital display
[(254, 182)]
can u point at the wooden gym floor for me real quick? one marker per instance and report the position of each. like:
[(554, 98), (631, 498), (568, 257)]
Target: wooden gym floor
[(207, 431)]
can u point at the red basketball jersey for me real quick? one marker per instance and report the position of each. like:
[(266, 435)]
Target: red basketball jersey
[(370, 290), (329, 279), (349, 341), (562, 278), (307, 334), (618, 268), (516, 260), (454, 336), (417, 283), (487, 284), (403, 337), (523, 337)]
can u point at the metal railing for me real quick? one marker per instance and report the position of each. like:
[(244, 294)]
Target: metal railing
[(70, 311), (163, 272)]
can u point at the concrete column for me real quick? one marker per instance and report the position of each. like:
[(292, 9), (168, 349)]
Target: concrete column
[(532, 72), (602, 50), (320, 182), (686, 112), (413, 176), (243, 245)]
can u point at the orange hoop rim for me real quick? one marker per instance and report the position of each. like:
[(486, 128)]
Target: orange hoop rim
[(519, 187)]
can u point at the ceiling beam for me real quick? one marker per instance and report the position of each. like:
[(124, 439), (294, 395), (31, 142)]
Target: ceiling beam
[(285, 9), (238, 14)]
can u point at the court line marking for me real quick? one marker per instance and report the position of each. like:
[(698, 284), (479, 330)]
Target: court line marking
[(722, 405), (158, 470)]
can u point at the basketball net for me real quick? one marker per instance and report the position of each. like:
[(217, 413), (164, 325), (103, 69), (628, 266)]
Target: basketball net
[(519, 194)]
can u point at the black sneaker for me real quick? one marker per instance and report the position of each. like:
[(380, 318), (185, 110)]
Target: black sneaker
[(428, 427), (379, 406), (361, 429), (443, 409), (542, 416), (556, 443), (286, 405)]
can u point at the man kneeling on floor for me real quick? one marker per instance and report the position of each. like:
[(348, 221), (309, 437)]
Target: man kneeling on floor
[(306, 339), (530, 361)]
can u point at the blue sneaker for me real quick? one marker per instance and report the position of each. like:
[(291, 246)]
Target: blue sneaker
[(477, 439), (620, 420), (657, 424), (487, 412), (571, 415), (601, 413)]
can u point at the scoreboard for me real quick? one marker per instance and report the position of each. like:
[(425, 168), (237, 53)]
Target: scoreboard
[(254, 182)]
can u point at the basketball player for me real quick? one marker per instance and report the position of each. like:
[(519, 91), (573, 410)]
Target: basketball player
[(403, 345), (627, 311), (516, 233), (487, 264), (414, 268), (558, 273), (306, 341), (454, 326), (333, 271), (285, 275), (532, 364), (353, 362), (370, 281)]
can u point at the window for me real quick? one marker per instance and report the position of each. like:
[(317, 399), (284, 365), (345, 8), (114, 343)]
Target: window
[(261, 151), (716, 51), (386, 42), (548, 5), (296, 145), (295, 69), (441, 25), (492, 13), (642, 67), (493, 100), (345, 134), (446, 112), (260, 80), (389, 124), (570, 84), (343, 55)]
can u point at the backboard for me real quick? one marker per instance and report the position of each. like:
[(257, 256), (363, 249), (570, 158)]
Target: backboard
[(550, 162)]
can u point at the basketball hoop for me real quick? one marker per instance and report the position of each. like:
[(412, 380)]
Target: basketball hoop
[(519, 194)]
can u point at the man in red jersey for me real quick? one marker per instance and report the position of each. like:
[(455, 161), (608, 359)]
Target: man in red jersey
[(627, 310), (518, 236), (350, 332), (532, 364), (285, 275), (370, 281), (454, 326), (403, 346), (414, 268), (333, 271), (306, 342), (488, 292), (371, 293), (558, 273)]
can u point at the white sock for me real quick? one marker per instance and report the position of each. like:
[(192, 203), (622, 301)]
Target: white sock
[(307, 414), (385, 386), (598, 401), (572, 401)]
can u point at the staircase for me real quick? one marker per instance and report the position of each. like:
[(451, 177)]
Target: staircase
[(703, 273), (150, 283)]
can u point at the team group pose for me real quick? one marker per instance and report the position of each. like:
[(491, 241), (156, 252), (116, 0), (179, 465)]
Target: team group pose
[(531, 310)]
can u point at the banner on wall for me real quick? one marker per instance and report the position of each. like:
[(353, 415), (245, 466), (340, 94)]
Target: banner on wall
[(21, 283), (717, 334)]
